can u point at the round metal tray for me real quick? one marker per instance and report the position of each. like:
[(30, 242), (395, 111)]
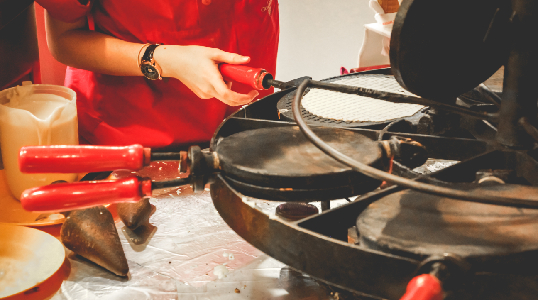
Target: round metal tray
[(281, 164)]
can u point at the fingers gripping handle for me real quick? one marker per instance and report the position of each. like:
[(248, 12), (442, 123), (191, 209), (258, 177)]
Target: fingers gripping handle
[(252, 77), (80, 159), (424, 287), (70, 196)]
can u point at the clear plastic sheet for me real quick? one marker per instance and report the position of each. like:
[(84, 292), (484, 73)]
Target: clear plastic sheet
[(434, 165), (188, 242)]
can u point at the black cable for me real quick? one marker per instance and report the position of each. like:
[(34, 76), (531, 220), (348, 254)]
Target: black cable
[(391, 97), (170, 183), (161, 156), (482, 196)]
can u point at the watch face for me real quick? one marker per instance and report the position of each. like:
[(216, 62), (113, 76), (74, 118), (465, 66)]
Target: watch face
[(150, 71)]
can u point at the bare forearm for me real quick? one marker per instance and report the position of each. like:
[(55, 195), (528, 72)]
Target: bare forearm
[(84, 49), (196, 66)]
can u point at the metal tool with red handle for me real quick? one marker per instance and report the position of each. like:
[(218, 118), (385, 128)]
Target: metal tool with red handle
[(256, 78), (424, 287), (81, 159), (79, 195), (259, 79), (201, 166)]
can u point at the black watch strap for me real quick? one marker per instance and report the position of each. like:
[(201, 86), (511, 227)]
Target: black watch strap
[(149, 67), (148, 54)]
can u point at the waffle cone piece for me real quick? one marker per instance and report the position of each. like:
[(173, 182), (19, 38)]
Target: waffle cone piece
[(135, 214), (389, 6), (91, 233)]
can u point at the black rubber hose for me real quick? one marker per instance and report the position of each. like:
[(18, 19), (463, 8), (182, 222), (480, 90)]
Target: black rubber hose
[(481, 196), (170, 183)]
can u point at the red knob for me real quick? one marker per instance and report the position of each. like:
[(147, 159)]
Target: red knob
[(247, 75), (78, 195), (79, 159), (424, 287)]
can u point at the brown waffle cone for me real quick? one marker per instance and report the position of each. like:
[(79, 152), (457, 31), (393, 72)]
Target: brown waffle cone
[(92, 234), (389, 6)]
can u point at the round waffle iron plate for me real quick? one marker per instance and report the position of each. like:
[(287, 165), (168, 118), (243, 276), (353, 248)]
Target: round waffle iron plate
[(440, 50), (417, 225), (281, 164), (335, 103)]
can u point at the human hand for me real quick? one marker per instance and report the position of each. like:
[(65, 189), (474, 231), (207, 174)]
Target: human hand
[(197, 68)]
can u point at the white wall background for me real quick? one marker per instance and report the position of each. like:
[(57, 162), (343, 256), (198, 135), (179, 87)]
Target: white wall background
[(317, 37)]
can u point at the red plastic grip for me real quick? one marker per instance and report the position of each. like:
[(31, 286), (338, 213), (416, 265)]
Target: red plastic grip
[(78, 195), (80, 159), (252, 77), (424, 287)]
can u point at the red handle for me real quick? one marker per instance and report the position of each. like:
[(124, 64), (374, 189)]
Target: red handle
[(79, 159), (78, 195), (424, 287), (252, 77)]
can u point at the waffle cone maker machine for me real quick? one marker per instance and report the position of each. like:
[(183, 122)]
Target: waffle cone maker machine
[(468, 231)]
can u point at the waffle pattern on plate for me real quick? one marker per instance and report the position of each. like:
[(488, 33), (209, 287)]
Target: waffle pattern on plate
[(353, 108)]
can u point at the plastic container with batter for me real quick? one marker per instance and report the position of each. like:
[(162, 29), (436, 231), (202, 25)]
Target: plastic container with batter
[(35, 114)]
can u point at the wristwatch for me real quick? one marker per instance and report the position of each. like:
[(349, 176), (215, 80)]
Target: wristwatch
[(149, 67)]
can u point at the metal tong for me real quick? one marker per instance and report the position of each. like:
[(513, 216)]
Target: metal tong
[(82, 159)]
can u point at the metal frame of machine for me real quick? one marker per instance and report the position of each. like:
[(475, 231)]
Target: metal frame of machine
[(318, 245)]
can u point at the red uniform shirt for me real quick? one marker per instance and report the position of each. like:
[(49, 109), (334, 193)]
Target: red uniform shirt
[(120, 110)]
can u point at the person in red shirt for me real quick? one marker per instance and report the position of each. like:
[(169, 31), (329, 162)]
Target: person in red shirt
[(104, 41)]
